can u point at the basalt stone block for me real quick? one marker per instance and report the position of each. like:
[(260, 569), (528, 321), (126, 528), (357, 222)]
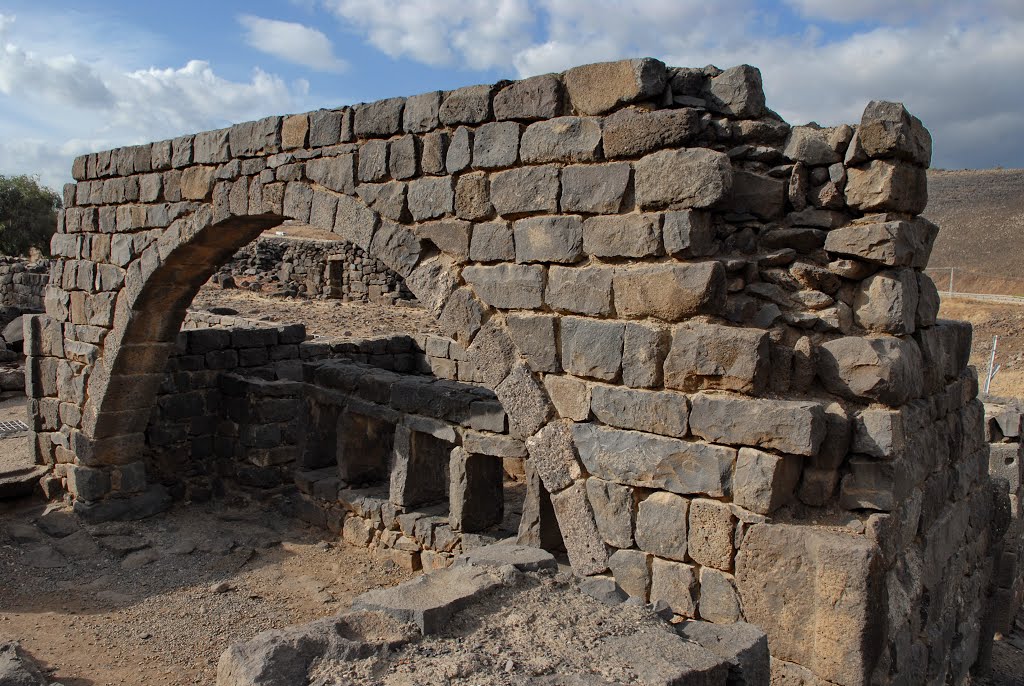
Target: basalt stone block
[(211, 147), (659, 412), (594, 188), (527, 189), (764, 482), (884, 369), (355, 222), (790, 426), (295, 131), (386, 198), (887, 130), (719, 601), (586, 290), (681, 179), (461, 316), (586, 550), (887, 186), (549, 239), (710, 356), (475, 497), (670, 292), (403, 157), (554, 456), (373, 161), (736, 92), (631, 568), (382, 118), (570, 396), (661, 525), (628, 235), (615, 512), (434, 152), (491, 242), (430, 198), (508, 286), (534, 338), (759, 195), (592, 348), (473, 197), (563, 139), (640, 459), (887, 302), (451, 236), (809, 144), (928, 301), (496, 145), (421, 112), (599, 88), (710, 535), (819, 595), (643, 354), (676, 584), (469, 105), (895, 243), (744, 646), (688, 233), (634, 132), (539, 97), (337, 173), (325, 127)]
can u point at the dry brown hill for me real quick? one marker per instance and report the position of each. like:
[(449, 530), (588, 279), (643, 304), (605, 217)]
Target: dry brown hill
[(981, 216)]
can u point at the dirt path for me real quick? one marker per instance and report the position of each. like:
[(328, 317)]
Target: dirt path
[(156, 602)]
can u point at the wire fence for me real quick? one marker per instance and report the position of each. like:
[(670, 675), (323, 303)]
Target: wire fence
[(960, 281)]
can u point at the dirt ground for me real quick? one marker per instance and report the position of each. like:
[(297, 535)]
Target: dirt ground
[(332, 318), (1005, 320), (156, 602)]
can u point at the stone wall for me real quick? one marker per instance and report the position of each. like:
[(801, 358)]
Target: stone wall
[(22, 283), (710, 329), (315, 269), (1003, 429)]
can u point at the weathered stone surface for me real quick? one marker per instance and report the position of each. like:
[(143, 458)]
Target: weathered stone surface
[(469, 105), (336, 173), (886, 186), (661, 525), (711, 356), (585, 290), (459, 153), (325, 127), (496, 555), (659, 412), (744, 646), (430, 198), (614, 511), (887, 302), (538, 97), (373, 161), (403, 157), (719, 601), (524, 400), (676, 584), (594, 188), (682, 179), (688, 233), (492, 242), (634, 132), (809, 144), (554, 456), (896, 243), (598, 88), (549, 239), (888, 130), (378, 119), (421, 112), (643, 353), (583, 544), (534, 337), (496, 145), (474, 491), (648, 461), (818, 595), (764, 482), (632, 570), (570, 396), (449, 235), (709, 541), (736, 92), (396, 246), (791, 426), (17, 668), (759, 195), (508, 286), (563, 139), (670, 292), (928, 301), (528, 189), (592, 348), (629, 235), (884, 369)]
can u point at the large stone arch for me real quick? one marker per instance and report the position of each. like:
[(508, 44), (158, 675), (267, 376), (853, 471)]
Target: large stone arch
[(710, 328)]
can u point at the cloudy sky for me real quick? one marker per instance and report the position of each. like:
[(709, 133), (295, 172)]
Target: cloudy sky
[(83, 76)]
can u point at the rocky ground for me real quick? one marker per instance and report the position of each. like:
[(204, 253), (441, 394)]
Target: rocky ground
[(156, 602), (1005, 320)]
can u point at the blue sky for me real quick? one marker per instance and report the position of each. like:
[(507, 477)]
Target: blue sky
[(81, 76)]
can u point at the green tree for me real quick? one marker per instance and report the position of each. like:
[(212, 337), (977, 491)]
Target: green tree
[(28, 215)]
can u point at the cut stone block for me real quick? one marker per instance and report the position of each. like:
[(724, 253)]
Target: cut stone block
[(791, 426), (681, 179), (719, 601), (475, 491), (764, 482), (710, 356), (670, 292), (583, 544), (524, 558), (599, 88), (592, 348), (744, 646), (661, 525), (659, 412), (710, 536), (676, 584), (614, 511), (665, 659), (563, 139), (632, 571)]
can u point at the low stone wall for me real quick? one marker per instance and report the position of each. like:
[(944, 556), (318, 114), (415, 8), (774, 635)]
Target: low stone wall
[(317, 269), (1004, 425), (23, 283)]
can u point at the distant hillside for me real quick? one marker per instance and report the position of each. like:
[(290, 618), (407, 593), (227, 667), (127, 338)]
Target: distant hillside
[(981, 217)]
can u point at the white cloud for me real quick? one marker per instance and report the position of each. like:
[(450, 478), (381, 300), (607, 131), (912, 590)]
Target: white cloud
[(56, 107), (292, 42)]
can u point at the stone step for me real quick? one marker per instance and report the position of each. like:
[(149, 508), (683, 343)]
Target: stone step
[(20, 482)]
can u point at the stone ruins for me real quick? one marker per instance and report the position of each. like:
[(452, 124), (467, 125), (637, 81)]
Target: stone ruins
[(698, 337)]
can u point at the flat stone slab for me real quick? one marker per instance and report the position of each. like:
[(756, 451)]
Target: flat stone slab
[(522, 557), (20, 482), (429, 601), (664, 659)]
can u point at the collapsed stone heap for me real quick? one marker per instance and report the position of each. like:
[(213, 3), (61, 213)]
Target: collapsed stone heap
[(710, 329)]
